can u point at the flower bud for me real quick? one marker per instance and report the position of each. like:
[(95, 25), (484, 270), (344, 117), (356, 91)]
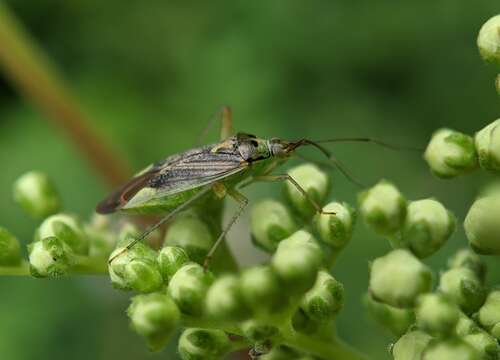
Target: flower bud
[(297, 261), (203, 344), (427, 226), (463, 287), (488, 40), (489, 314), (325, 299), (143, 275), (383, 208), (154, 316), (398, 278), (336, 230), (436, 314), (192, 234), (465, 325), (271, 222), (10, 250), (188, 288), (485, 344), (225, 300), (482, 227), (171, 259), (451, 349), (68, 229), (258, 330), (396, 320), (50, 257), (470, 260), (36, 194), (261, 290), (487, 141), (450, 153), (314, 182), (101, 242), (302, 323), (411, 345)]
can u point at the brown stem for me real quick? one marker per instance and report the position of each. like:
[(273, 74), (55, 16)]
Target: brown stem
[(34, 76)]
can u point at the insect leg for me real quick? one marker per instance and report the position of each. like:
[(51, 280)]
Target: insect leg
[(286, 177), (224, 114), (243, 201), (166, 218)]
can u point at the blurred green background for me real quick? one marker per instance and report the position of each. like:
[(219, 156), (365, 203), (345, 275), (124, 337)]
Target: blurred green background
[(150, 75)]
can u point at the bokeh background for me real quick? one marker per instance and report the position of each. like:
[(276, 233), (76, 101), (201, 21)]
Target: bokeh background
[(149, 75)]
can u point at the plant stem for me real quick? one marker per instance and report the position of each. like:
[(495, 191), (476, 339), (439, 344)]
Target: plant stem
[(23, 269)]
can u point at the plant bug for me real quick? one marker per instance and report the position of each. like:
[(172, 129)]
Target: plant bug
[(173, 184)]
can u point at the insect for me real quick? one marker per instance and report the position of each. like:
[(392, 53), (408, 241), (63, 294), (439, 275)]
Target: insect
[(173, 184)]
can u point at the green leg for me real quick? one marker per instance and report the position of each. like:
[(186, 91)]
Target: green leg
[(225, 116)]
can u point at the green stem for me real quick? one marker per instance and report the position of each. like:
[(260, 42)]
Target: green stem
[(23, 269)]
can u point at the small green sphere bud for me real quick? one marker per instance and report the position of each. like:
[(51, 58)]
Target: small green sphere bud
[(427, 227), (297, 261), (143, 275), (396, 320), (485, 344), (436, 314), (258, 330), (202, 344), (303, 323), (398, 278), (315, 183), (171, 259), (154, 316), (225, 301), (336, 230), (383, 208), (261, 290), (470, 260), (451, 349), (488, 40), (68, 229), (450, 153), (411, 345), (464, 288), (465, 325), (271, 222), (188, 288), (10, 250), (189, 232), (36, 194), (487, 142), (325, 299), (489, 314), (50, 257), (482, 227)]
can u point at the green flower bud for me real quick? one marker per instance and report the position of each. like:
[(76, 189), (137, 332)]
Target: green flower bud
[(450, 153), (297, 261), (10, 250), (188, 288), (154, 316), (411, 345), (50, 257), (336, 230), (451, 349), (143, 275), (427, 226), (325, 299), (464, 288), (315, 183), (68, 229), (225, 301), (488, 40), (271, 222), (202, 344), (485, 344), (465, 325), (192, 234), (489, 314), (398, 278), (258, 330), (487, 142), (482, 227), (302, 323), (383, 208), (470, 260), (396, 320), (101, 241), (36, 194), (171, 259), (261, 290), (436, 314)]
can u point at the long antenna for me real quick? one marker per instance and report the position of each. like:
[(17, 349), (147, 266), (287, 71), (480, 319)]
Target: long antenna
[(370, 140)]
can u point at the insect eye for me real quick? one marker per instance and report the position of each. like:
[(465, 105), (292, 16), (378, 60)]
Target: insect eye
[(254, 143)]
